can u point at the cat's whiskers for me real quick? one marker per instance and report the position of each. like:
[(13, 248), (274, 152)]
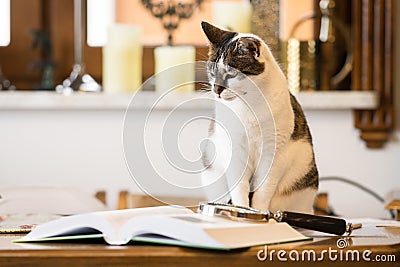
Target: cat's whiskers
[(206, 87), (236, 92), (206, 93)]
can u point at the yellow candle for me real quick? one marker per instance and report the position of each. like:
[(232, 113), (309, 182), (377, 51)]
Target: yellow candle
[(122, 59), (235, 16), (170, 73)]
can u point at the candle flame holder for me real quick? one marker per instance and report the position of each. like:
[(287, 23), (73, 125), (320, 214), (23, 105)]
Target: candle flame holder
[(171, 13), (78, 80), (5, 84)]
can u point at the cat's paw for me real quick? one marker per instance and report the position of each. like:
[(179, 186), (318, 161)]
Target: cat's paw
[(260, 201), (240, 200)]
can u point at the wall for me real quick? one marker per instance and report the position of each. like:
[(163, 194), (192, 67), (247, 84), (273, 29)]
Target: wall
[(341, 153), (63, 148), (84, 149)]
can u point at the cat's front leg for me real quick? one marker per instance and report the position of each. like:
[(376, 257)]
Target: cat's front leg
[(215, 185), (262, 199), (265, 183), (238, 177)]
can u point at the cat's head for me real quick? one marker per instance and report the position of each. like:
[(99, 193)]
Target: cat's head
[(232, 56)]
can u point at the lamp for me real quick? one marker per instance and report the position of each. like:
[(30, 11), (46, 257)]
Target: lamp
[(171, 13)]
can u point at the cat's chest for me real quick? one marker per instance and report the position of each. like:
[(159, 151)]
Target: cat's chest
[(240, 123)]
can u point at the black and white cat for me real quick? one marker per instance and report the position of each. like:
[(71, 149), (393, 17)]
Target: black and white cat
[(267, 160)]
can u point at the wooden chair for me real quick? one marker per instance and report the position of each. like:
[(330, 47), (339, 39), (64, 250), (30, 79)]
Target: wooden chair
[(101, 195), (321, 206)]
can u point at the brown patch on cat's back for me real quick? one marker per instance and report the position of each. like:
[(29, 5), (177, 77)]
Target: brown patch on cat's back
[(310, 180), (300, 130), (242, 55)]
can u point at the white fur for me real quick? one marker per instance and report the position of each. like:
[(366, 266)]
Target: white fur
[(243, 163)]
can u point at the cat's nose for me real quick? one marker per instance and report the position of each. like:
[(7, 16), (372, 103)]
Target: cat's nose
[(218, 89)]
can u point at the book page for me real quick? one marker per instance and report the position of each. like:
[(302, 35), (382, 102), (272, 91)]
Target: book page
[(69, 226), (166, 225), (117, 218), (196, 230), (106, 222)]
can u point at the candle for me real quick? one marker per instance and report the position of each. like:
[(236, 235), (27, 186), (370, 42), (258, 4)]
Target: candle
[(180, 78), (122, 59), (235, 16)]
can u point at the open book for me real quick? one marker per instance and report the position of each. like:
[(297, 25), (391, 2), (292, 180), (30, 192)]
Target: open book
[(164, 225)]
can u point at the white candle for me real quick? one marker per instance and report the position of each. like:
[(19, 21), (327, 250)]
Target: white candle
[(180, 78), (122, 59), (235, 16)]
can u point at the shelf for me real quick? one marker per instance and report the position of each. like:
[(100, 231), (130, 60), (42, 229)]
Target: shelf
[(332, 100), (338, 100)]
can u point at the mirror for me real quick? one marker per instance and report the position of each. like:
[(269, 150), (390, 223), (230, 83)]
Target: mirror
[(4, 22), (5, 37), (100, 15)]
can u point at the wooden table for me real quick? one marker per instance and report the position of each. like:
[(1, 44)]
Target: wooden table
[(96, 254)]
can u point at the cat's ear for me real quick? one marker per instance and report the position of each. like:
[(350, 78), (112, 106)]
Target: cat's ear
[(215, 35), (248, 46)]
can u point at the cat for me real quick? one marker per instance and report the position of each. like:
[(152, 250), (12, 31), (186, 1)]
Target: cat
[(267, 162)]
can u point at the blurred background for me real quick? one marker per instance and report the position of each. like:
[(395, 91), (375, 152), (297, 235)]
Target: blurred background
[(50, 139)]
